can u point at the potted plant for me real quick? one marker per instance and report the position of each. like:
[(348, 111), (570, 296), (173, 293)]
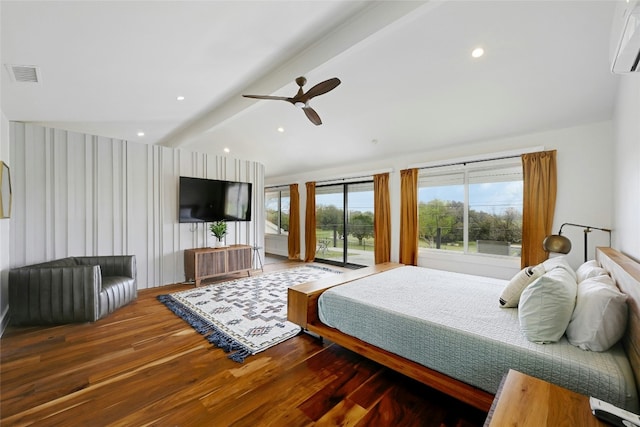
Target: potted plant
[(219, 230)]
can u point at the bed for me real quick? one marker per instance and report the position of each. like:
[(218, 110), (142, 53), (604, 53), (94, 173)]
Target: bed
[(469, 363)]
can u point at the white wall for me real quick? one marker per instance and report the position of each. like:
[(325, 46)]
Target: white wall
[(78, 194), (585, 169), (5, 229), (5, 226), (626, 187)]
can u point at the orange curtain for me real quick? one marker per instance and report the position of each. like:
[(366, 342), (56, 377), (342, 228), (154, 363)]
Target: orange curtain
[(310, 223), (409, 216), (381, 218), (538, 205), (294, 222)]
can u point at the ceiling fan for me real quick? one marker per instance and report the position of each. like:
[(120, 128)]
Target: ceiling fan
[(302, 99)]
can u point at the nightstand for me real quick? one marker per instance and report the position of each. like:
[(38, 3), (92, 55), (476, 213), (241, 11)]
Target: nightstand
[(524, 401)]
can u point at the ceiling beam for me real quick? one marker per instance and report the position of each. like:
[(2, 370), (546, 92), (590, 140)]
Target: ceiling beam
[(367, 20)]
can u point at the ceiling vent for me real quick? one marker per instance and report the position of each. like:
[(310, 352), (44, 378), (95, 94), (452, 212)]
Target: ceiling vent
[(626, 38), (24, 73)]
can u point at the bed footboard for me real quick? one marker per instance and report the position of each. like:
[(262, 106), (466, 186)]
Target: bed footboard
[(303, 310), (302, 300), (457, 389)]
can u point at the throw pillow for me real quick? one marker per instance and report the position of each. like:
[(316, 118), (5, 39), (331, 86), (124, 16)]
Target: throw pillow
[(589, 269), (546, 306), (559, 261), (600, 317), (511, 294)]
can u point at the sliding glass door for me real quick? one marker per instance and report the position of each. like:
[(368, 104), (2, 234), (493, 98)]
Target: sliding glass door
[(344, 223), (330, 223)]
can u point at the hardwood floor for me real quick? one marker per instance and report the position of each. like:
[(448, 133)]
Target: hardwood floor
[(144, 366)]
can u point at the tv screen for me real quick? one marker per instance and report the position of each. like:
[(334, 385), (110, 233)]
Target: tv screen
[(208, 200)]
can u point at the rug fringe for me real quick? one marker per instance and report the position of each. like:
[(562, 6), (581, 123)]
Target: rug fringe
[(323, 268), (211, 330), (216, 337), (240, 355), (195, 321)]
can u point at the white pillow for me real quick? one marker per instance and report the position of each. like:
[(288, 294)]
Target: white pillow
[(559, 261), (604, 279), (546, 306), (589, 269), (600, 317), (511, 294)]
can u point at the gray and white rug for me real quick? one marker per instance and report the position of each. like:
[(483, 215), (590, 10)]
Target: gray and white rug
[(244, 316)]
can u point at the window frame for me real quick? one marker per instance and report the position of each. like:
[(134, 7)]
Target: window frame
[(346, 191), (466, 170), (280, 191)]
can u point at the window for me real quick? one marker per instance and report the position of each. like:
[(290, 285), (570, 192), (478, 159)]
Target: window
[(472, 208), (276, 204), (344, 223)]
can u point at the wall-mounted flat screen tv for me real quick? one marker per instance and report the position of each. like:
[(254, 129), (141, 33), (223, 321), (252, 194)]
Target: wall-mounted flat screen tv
[(208, 200)]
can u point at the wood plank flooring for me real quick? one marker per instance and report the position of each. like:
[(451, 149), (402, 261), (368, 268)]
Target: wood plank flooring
[(143, 366)]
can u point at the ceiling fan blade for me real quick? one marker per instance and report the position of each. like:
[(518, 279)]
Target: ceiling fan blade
[(312, 115), (277, 98), (322, 87), (301, 99)]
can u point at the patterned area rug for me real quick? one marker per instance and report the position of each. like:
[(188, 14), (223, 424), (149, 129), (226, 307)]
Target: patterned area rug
[(243, 316)]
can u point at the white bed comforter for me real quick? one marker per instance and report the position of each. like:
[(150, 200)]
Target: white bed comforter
[(453, 323)]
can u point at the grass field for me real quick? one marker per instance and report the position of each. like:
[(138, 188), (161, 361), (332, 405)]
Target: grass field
[(334, 247)]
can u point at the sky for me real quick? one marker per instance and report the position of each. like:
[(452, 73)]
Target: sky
[(492, 198)]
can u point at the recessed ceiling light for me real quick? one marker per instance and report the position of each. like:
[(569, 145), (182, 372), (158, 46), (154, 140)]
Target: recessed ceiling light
[(140, 133), (281, 129), (226, 150), (180, 98), (477, 52)]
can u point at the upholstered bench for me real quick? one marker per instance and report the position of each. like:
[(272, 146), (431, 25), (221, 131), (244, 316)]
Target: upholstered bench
[(74, 289)]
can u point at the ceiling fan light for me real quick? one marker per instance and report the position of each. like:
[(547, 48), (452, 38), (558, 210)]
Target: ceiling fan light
[(300, 104)]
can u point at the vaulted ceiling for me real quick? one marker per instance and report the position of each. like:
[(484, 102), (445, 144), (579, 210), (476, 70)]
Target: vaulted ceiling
[(409, 82)]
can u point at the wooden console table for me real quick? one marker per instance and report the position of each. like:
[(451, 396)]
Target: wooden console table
[(528, 401), (204, 263)]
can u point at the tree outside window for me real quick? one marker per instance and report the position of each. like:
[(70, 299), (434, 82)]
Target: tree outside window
[(474, 208)]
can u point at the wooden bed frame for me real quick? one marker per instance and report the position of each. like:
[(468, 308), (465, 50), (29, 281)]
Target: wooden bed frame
[(303, 310)]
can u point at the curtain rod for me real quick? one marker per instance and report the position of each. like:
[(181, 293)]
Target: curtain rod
[(465, 162), (357, 175), (337, 180), (500, 155), (267, 187), (343, 179)]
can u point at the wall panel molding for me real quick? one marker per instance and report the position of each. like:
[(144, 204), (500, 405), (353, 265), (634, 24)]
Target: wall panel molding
[(77, 194)]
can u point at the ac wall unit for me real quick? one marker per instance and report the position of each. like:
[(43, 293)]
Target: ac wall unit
[(626, 38)]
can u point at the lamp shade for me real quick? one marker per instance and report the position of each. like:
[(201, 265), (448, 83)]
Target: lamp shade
[(557, 243)]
